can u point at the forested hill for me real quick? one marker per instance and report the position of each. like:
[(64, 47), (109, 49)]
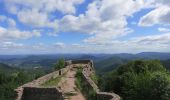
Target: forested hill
[(6, 68), (46, 62), (138, 80), (11, 78)]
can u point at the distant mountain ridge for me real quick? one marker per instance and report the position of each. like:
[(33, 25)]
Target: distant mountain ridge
[(116, 60), (144, 55), (103, 62), (6, 68)]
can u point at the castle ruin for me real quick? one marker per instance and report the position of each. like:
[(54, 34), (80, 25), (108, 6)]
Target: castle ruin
[(35, 91)]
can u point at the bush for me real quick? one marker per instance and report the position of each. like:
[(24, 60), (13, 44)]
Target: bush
[(94, 78), (88, 92), (60, 64), (139, 80)]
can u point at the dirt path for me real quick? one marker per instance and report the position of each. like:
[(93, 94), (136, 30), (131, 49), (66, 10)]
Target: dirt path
[(69, 88)]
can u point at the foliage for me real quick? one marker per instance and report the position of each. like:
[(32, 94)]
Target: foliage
[(139, 80), (166, 63), (60, 64), (88, 92), (106, 65), (11, 78), (94, 78), (79, 79), (52, 81)]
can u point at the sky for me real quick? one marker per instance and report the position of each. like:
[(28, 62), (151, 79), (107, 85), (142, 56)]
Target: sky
[(84, 26)]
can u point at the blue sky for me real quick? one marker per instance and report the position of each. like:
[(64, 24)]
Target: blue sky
[(84, 26)]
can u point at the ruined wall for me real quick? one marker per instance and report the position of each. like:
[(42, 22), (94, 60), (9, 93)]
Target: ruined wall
[(100, 95), (88, 68), (91, 85), (34, 93), (107, 96), (36, 84)]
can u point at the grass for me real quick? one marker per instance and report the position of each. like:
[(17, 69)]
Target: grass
[(70, 94), (53, 81), (89, 93), (94, 78), (78, 80)]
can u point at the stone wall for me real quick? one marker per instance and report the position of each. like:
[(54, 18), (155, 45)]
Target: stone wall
[(34, 93), (89, 65), (91, 85), (37, 83), (107, 96), (87, 71), (100, 95)]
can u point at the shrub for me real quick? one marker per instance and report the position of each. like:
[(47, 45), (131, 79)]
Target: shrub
[(60, 64), (139, 80)]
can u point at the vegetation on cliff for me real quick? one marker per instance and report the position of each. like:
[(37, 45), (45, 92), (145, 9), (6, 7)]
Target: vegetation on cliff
[(11, 78), (88, 92), (139, 80)]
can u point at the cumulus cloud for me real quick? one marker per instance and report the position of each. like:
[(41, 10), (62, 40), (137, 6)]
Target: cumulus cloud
[(162, 29), (37, 12), (17, 34), (10, 22), (64, 6), (12, 32), (104, 19), (159, 15), (153, 39)]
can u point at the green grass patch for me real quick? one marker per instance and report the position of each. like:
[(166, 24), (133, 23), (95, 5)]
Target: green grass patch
[(94, 78), (52, 81), (88, 92), (70, 94)]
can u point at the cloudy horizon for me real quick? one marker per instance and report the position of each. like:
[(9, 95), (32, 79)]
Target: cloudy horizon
[(84, 26)]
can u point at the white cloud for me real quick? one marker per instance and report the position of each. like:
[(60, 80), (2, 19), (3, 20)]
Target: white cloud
[(10, 22), (64, 6), (17, 34), (2, 18), (153, 39), (7, 45), (159, 43), (159, 15), (37, 13), (11, 31), (33, 17), (59, 44), (104, 19), (162, 29)]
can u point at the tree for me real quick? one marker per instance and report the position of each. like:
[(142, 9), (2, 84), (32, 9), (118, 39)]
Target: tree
[(140, 80), (60, 64), (160, 86)]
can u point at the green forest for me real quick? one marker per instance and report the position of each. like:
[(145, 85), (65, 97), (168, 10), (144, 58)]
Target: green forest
[(11, 78), (132, 80), (138, 80)]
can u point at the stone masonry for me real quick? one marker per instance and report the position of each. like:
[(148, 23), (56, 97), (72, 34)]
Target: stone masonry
[(34, 91)]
